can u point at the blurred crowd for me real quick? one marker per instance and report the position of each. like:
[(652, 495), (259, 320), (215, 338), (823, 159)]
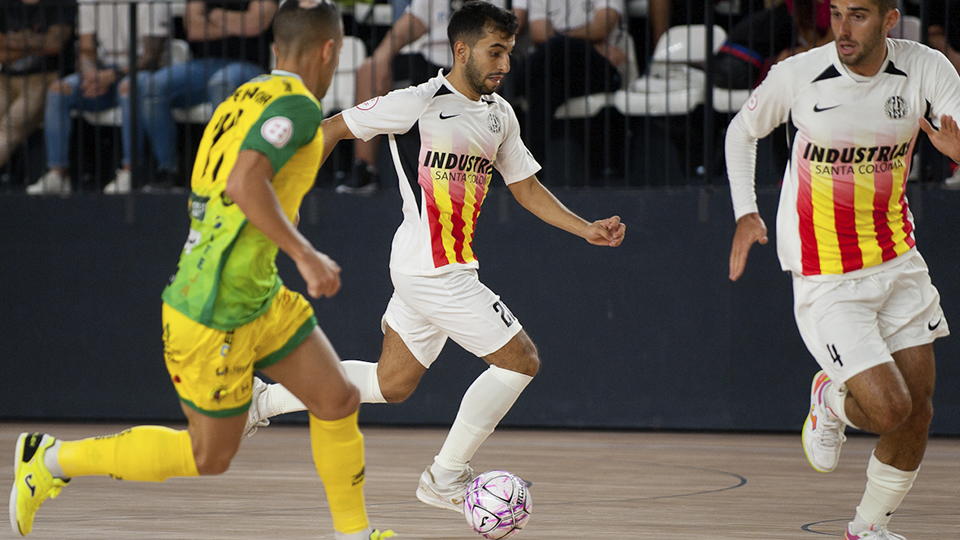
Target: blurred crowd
[(82, 108)]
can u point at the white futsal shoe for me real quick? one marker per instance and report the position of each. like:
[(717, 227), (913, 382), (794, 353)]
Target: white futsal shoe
[(880, 534), (254, 420), (823, 430), (449, 496)]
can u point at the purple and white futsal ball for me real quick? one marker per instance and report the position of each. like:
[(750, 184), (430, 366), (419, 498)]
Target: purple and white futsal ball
[(497, 504)]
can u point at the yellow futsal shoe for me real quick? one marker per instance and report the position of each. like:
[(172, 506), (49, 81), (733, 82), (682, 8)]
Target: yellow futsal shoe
[(32, 482), (366, 534)]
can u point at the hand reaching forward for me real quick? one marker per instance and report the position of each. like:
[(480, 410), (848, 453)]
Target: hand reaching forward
[(750, 229), (946, 139), (320, 272), (605, 232)]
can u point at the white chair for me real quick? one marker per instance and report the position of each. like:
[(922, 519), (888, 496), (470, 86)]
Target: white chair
[(675, 83), (589, 106), (342, 92)]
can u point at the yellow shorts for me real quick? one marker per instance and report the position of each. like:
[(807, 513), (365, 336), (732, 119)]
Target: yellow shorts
[(212, 370)]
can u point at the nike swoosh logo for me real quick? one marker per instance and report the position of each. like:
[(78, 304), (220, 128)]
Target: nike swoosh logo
[(442, 117), (33, 488), (933, 327), (818, 109)]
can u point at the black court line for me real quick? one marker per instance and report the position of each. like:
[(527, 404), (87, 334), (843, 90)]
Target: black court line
[(741, 481)]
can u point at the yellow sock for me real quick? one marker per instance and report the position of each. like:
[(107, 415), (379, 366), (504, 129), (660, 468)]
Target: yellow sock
[(338, 455), (144, 453)]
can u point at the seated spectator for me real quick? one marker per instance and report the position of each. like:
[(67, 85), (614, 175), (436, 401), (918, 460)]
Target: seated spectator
[(102, 80), (766, 37), (943, 34), (35, 38), (426, 19), (580, 49), (230, 44)]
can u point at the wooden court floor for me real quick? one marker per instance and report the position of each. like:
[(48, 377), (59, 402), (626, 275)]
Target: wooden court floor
[(585, 485)]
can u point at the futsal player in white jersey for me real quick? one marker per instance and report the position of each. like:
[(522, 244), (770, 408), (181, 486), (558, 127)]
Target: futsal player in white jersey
[(464, 131), (863, 299)]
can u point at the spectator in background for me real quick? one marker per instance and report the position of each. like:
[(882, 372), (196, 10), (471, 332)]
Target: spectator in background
[(230, 44), (766, 37), (580, 49), (35, 39), (943, 34), (102, 80), (425, 19)]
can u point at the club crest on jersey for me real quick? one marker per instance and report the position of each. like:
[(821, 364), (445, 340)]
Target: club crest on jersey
[(494, 124), (277, 131), (895, 107)]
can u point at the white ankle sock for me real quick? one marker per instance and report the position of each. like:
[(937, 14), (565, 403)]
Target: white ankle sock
[(835, 398), (51, 462), (364, 376), (484, 404), (886, 488), (276, 399)]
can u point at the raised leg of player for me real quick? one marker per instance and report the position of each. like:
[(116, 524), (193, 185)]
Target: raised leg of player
[(312, 372), (895, 400)]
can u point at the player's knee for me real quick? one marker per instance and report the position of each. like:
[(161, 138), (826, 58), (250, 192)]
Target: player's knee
[(922, 412), (397, 391), (212, 462), (896, 410), (339, 405)]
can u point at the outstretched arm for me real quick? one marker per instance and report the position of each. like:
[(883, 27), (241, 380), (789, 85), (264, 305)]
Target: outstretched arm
[(249, 186), (531, 194), (334, 130), (946, 139)]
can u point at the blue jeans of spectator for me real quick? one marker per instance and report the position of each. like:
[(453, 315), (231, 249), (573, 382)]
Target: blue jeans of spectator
[(58, 126), (184, 85)]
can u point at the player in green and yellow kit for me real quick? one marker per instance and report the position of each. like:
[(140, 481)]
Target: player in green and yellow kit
[(226, 312)]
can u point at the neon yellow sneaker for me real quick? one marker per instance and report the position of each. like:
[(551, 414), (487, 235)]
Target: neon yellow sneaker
[(33, 482), (378, 535)]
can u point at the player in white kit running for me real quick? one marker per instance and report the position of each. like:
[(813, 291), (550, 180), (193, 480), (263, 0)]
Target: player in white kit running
[(462, 130), (863, 299)]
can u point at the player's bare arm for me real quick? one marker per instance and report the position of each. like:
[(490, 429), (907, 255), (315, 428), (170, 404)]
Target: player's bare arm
[(334, 131), (533, 196), (946, 139), (249, 186), (750, 229)]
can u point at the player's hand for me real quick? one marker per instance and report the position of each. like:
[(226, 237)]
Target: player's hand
[(946, 139), (605, 232), (320, 272), (750, 229)]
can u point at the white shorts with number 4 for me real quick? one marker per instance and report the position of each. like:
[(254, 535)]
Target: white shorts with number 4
[(426, 310), (851, 325)]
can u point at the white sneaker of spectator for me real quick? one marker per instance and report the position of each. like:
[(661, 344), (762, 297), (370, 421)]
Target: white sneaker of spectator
[(52, 183), (953, 181), (121, 184)]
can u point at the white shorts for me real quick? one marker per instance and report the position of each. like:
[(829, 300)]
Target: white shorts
[(852, 325), (426, 310)]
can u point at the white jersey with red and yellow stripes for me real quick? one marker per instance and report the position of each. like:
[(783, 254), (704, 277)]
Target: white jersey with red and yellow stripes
[(445, 147), (843, 206)]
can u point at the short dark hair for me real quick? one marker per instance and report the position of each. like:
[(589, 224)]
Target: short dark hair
[(470, 23), (301, 24), (886, 5)]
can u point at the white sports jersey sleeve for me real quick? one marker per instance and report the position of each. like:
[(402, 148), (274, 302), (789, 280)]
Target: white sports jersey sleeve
[(768, 107), (514, 160), (395, 113)]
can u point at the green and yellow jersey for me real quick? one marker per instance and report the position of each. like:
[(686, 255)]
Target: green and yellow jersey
[(227, 275)]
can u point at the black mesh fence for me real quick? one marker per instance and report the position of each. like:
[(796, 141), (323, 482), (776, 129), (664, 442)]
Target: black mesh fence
[(609, 93)]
